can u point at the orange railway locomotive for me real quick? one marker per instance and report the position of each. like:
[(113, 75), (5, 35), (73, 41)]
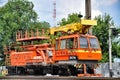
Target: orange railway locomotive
[(74, 53)]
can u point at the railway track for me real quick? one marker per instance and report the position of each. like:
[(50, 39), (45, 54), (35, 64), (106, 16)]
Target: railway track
[(55, 78)]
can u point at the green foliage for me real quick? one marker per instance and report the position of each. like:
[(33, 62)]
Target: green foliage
[(101, 31), (115, 50), (104, 57), (116, 36), (53, 37), (15, 15), (40, 25), (72, 18)]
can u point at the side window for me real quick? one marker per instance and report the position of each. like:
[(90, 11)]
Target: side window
[(83, 42), (56, 45), (62, 44), (70, 43), (94, 43), (76, 43)]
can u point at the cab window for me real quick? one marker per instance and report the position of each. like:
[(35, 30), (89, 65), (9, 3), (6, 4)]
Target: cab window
[(56, 45), (70, 42), (94, 43), (62, 44), (76, 43), (83, 42)]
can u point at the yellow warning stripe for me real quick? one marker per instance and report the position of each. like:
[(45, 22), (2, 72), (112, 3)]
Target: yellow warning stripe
[(96, 51), (84, 51)]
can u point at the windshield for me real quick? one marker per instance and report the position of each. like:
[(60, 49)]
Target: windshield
[(94, 43), (70, 42), (83, 42), (62, 44), (56, 45)]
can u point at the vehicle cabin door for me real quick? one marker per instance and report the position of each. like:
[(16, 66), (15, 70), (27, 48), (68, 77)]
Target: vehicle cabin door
[(95, 48), (63, 46), (83, 51)]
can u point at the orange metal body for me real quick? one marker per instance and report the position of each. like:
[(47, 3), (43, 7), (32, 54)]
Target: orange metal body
[(20, 58), (77, 49), (80, 53), (70, 54), (32, 53), (33, 57), (37, 53)]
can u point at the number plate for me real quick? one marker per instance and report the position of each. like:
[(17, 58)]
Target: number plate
[(72, 57)]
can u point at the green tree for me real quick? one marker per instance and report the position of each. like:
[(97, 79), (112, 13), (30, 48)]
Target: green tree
[(116, 34), (101, 31), (15, 15), (72, 18), (40, 25), (116, 44), (116, 50)]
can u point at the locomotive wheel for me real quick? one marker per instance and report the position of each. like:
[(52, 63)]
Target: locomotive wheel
[(89, 69), (39, 70), (11, 70), (54, 70), (64, 70), (73, 70), (20, 70)]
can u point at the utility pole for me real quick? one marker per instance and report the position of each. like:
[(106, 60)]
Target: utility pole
[(110, 52), (88, 9), (88, 13)]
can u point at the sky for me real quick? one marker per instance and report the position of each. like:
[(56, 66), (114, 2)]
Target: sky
[(44, 9)]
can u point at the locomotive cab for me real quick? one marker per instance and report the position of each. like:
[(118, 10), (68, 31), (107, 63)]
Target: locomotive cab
[(77, 48)]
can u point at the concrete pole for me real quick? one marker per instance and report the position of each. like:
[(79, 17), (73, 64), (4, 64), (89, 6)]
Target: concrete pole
[(88, 9), (88, 13), (110, 53)]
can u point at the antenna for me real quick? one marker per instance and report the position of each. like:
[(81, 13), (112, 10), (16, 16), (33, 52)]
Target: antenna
[(54, 12)]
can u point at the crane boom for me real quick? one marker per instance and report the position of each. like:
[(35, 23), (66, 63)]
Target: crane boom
[(80, 27)]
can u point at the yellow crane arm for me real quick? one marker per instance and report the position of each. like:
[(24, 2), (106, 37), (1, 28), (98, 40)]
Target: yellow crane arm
[(80, 27)]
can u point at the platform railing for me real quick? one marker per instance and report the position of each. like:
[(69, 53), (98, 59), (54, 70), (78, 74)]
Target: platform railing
[(32, 33)]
